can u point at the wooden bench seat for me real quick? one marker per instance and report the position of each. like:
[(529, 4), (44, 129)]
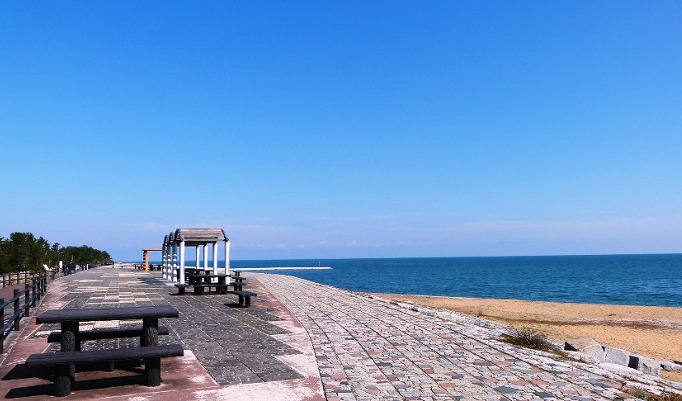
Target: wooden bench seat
[(62, 362), (102, 334), (244, 297)]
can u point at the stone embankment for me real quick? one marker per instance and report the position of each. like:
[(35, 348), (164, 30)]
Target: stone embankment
[(591, 351)]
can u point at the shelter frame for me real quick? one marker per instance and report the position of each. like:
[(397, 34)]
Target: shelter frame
[(174, 251)]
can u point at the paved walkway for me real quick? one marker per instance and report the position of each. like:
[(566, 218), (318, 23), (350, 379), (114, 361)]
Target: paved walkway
[(369, 349), (231, 353), (304, 341)]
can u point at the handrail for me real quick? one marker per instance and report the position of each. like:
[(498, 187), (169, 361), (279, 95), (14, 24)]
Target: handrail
[(9, 279), (31, 293)]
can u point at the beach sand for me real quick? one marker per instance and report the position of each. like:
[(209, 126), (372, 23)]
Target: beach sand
[(652, 331)]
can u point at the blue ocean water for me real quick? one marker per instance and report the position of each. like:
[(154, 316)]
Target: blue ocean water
[(602, 279)]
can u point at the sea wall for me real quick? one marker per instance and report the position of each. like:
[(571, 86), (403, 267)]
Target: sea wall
[(598, 353)]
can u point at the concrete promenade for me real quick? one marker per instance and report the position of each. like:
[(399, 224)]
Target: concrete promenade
[(304, 341)]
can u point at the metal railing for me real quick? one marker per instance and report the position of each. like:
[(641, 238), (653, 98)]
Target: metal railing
[(11, 279), (35, 286)]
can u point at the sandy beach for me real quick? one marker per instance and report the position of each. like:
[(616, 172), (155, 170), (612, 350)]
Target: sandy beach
[(648, 330)]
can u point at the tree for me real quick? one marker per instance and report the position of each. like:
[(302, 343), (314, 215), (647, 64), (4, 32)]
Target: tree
[(4, 260), (54, 254), (25, 252), (84, 255)]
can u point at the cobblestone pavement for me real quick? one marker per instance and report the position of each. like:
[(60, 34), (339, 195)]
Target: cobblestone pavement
[(235, 345), (372, 349)]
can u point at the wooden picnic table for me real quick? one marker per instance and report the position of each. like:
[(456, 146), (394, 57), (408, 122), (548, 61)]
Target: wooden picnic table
[(71, 318), (70, 354), (201, 281)]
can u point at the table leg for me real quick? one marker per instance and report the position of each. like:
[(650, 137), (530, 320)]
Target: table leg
[(152, 370), (150, 337), (70, 342), (62, 380), (70, 337), (150, 332)]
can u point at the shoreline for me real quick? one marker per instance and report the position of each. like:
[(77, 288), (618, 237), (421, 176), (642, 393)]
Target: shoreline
[(653, 331)]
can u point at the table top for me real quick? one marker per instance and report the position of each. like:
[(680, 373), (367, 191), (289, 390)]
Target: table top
[(93, 314), (209, 275)]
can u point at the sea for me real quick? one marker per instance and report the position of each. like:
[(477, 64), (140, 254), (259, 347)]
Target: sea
[(654, 280), (597, 279)]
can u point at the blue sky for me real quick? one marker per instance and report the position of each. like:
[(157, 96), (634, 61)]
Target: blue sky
[(345, 129)]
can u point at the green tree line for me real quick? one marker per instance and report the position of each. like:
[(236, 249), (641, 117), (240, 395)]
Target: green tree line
[(25, 252)]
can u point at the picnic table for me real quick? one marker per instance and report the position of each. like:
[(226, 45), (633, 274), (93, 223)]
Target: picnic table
[(71, 354), (70, 319), (201, 281)]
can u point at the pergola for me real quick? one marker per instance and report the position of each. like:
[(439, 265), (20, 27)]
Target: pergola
[(174, 251), (145, 256)]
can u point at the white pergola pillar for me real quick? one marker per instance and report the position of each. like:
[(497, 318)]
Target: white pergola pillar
[(182, 263), (174, 261), (215, 258), (227, 256), (205, 247), (165, 259)]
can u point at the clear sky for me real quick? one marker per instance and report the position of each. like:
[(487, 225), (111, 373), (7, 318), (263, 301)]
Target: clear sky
[(340, 129)]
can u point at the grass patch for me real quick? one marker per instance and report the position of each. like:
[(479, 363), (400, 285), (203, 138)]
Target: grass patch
[(528, 338), (649, 396)]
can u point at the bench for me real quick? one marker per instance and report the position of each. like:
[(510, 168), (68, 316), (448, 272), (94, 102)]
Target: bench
[(62, 361), (220, 288), (181, 288), (238, 285), (244, 297), (102, 334)]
